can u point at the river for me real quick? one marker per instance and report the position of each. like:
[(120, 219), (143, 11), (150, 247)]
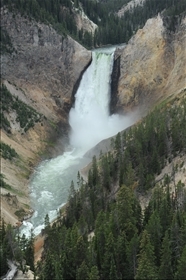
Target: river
[(90, 123)]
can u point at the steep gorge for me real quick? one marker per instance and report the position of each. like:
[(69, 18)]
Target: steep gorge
[(44, 71)]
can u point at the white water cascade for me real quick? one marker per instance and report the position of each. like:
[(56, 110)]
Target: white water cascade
[(90, 123)]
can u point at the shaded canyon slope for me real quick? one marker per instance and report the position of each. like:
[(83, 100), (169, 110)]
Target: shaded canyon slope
[(41, 71), (44, 64)]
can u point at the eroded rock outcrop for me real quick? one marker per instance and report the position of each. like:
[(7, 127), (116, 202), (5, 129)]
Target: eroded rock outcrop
[(152, 65)]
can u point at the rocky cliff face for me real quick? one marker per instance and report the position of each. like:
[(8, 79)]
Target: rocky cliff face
[(152, 66), (43, 63), (41, 71)]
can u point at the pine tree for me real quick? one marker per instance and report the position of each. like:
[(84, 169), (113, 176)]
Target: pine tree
[(47, 224), (166, 211), (155, 231), (165, 270), (146, 260), (132, 251), (109, 257), (181, 268), (100, 239), (125, 211), (80, 251), (82, 272), (176, 240), (70, 252), (113, 271), (121, 257), (48, 267), (105, 173), (3, 249), (29, 252), (95, 173), (58, 269), (94, 273)]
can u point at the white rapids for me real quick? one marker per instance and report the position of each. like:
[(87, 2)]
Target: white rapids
[(90, 123)]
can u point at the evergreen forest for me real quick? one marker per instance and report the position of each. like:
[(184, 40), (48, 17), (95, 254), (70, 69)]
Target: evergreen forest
[(104, 232), (111, 28)]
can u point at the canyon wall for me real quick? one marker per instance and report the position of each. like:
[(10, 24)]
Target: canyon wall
[(152, 66), (41, 71), (44, 64)]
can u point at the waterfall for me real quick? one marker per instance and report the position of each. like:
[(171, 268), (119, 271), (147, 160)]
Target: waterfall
[(89, 118), (90, 123)]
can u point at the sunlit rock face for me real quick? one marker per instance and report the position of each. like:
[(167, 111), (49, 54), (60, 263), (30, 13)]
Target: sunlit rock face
[(152, 65)]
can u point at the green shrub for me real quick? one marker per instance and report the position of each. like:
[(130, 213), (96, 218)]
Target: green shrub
[(4, 123), (7, 152), (20, 213), (3, 184), (26, 115)]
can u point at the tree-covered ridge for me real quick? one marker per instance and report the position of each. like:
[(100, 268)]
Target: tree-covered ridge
[(126, 243), (114, 30), (104, 234), (111, 29), (26, 116), (153, 143)]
